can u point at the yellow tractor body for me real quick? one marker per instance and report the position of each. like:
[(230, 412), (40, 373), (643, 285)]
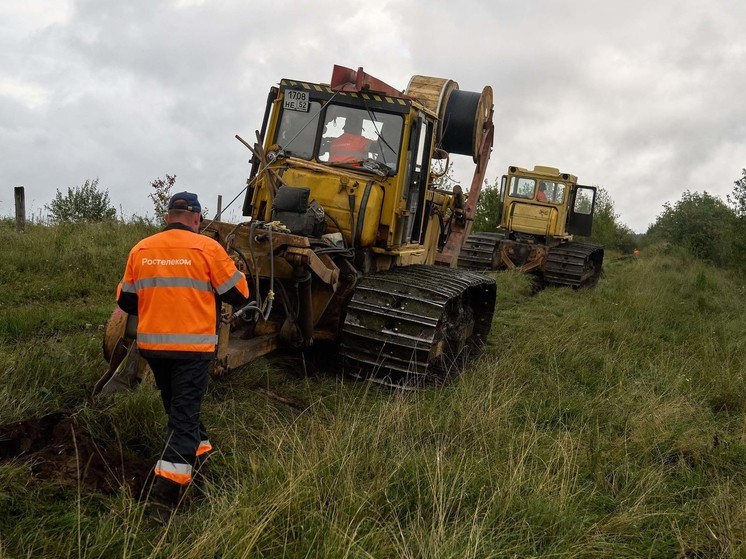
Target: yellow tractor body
[(360, 251)]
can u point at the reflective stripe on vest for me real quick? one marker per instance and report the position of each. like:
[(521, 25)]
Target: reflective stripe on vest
[(128, 287), (160, 281), (226, 285), (177, 339), (177, 472)]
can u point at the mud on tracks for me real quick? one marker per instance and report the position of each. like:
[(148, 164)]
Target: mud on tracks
[(60, 450)]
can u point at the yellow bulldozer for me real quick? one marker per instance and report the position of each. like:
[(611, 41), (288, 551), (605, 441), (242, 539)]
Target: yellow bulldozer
[(349, 242), (540, 212)]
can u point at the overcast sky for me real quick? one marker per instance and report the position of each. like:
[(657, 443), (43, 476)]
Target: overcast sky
[(644, 98)]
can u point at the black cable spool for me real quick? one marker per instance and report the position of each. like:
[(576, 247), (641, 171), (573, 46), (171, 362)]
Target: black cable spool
[(459, 122)]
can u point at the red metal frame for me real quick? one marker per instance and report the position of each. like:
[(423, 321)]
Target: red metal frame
[(460, 229), (347, 79)]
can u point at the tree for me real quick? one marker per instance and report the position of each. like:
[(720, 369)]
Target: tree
[(604, 219), (82, 203), (161, 196), (625, 239), (700, 223), (607, 229), (487, 214), (737, 198), (442, 174), (737, 201)]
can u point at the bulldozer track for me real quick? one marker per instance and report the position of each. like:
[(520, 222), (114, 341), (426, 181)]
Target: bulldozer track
[(476, 254), (415, 326), (574, 264)]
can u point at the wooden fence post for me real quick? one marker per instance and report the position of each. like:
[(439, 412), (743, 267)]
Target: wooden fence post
[(219, 213), (20, 209)]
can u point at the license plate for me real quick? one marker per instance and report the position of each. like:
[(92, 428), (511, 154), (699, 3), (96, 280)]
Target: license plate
[(296, 100)]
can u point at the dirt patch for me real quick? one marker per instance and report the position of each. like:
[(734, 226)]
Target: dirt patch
[(61, 450)]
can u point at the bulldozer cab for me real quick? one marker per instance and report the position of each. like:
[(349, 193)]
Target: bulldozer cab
[(370, 134), (362, 150), (364, 158), (545, 203)]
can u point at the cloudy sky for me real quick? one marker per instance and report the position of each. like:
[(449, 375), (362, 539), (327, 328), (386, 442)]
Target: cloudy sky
[(643, 98)]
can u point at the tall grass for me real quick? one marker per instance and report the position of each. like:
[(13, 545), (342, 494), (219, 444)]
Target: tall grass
[(599, 423), (63, 277)]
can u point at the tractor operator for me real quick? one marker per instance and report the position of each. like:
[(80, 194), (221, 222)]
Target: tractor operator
[(351, 146), (541, 196), (172, 282)]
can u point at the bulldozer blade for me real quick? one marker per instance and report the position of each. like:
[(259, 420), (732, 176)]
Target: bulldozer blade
[(121, 379), (118, 353)]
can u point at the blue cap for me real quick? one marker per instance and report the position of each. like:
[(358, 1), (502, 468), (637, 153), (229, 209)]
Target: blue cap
[(185, 201)]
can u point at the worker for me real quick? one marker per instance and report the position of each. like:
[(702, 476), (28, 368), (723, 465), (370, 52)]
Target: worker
[(171, 282), (541, 196), (351, 146)]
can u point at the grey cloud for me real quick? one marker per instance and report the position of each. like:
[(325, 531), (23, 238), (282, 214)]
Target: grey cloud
[(639, 97)]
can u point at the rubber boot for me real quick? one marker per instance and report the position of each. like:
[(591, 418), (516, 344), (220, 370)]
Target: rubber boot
[(201, 475), (163, 498)]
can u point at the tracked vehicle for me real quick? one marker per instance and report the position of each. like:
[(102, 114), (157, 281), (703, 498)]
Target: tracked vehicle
[(357, 249), (540, 212)]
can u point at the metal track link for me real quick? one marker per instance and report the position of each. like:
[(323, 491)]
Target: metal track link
[(416, 326), (476, 254), (574, 264)]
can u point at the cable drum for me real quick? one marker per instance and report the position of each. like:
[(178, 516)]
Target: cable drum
[(462, 115), (433, 93), (464, 120)]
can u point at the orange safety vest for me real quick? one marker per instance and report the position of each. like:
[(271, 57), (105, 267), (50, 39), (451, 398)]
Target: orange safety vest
[(348, 147), (176, 275)]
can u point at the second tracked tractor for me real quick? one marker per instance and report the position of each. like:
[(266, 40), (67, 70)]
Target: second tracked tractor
[(346, 238), (541, 210)]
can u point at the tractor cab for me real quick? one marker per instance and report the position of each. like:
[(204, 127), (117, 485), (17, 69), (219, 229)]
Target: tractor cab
[(545, 204), (362, 151), (363, 156)]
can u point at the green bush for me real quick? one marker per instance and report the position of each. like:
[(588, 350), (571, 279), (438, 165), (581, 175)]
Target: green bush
[(82, 203), (702, 224), (487, 215), (607, 229)]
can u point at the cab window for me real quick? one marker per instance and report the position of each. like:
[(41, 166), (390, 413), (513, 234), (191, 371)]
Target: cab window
[(583, 201), (296, 132), (382, 130), (522, 187), (554, 191)]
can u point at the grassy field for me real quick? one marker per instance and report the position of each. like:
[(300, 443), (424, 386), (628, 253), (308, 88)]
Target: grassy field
[(599, 423)]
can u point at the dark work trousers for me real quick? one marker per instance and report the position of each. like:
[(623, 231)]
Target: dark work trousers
[(183, 383)]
